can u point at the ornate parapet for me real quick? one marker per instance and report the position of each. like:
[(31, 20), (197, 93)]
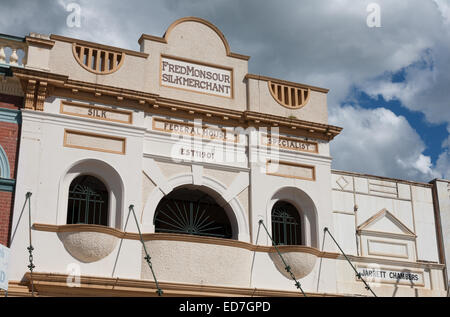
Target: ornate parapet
[(13, 50)]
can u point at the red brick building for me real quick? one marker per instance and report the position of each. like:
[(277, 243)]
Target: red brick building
[(9, 141)]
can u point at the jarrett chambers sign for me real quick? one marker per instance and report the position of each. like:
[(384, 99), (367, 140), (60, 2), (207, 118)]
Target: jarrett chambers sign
[(404, 277), (196, 77)]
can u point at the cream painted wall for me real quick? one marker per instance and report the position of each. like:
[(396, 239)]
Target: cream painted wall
[(196, 42), (411, 205), (225, 177), (443, 196), (43, 163), (131, 75), (427, 248), (260, 100), (171, 169)]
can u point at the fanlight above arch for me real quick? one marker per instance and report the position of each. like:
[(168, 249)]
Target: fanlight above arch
[(191, 211)]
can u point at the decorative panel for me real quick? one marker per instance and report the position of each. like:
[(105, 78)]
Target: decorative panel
[(288, 96), (98, 61), (291, 170), (95, 142)]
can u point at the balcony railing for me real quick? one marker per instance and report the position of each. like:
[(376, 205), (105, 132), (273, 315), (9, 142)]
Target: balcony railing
[(13, 50)]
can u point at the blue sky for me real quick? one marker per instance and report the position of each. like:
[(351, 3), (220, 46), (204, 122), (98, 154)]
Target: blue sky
[(389, 85)]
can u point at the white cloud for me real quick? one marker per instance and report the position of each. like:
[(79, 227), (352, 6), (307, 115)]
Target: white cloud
[(443, 162), (444, 7), (376, 141)]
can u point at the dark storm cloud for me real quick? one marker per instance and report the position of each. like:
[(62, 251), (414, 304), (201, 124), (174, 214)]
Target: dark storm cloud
[(22, 17)]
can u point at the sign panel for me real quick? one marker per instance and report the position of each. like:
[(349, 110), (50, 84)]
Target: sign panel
[(201, 131), (193, 76), (391, 276), (4, 262), (95, 112), (188, 153), (290, 143)]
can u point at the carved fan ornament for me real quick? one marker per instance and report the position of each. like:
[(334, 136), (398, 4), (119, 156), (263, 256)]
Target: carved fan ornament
[(288, 96), (98, 61)]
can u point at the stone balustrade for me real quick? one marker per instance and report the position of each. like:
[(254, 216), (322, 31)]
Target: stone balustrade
[(13, 50)]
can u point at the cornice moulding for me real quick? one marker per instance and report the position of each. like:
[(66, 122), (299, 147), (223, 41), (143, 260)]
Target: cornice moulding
[(179, 237), (54, 284), (386, 234), (74, 122), (39, 42), (382, 178), (99, 46), (285, 82), (60, 85)]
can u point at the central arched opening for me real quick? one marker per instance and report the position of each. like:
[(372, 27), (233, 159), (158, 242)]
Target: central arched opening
[(191, 210)]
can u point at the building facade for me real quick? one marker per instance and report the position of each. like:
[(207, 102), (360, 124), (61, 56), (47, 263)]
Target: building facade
[(178, 153)]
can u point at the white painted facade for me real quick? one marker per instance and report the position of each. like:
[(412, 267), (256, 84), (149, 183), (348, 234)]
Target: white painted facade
[(382, 224)]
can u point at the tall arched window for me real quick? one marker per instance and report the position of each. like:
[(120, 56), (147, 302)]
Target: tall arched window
[(88, 201), (191, 211), (286, 224)]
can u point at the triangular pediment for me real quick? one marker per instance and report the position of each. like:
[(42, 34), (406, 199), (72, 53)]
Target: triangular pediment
[(385, 222)]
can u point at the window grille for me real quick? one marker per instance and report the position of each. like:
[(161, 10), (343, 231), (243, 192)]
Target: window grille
[(88, 202), (286, 224)]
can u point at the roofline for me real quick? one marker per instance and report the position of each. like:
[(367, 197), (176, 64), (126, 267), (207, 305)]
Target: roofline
[(422, 184), (12, 37), (285, 82), (164, 38), (97, 45), (439, 180)]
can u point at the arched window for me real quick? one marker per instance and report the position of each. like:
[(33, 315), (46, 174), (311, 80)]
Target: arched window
[(286, 224), (4, 164), (191, 211), (88, 201)]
